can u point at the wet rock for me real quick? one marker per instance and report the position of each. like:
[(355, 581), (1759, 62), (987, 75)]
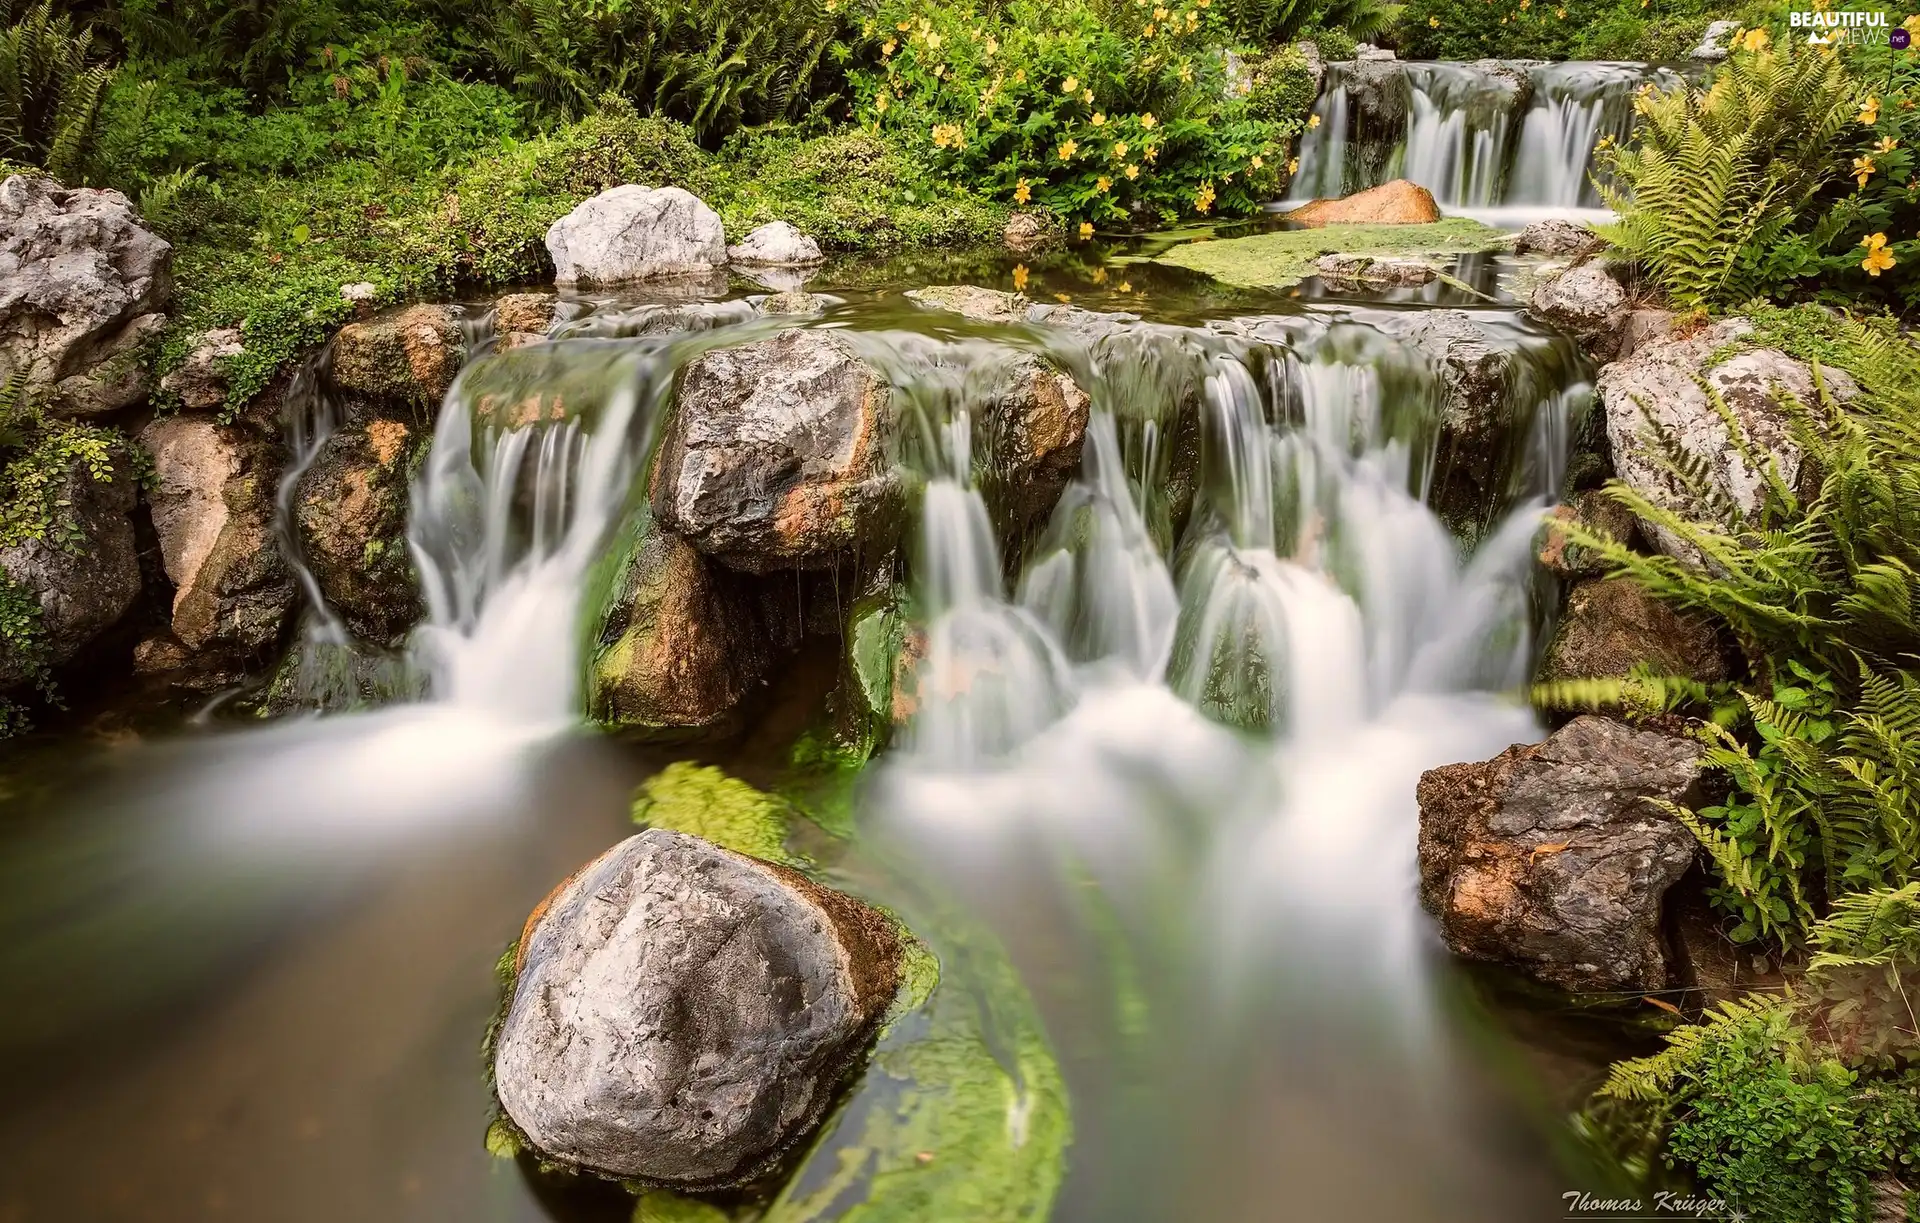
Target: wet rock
[(680, 643), (351, 509), (84, 573), (407, 356), (1474, 373), (636, 233), (1377, 88), (774, 458), (200, 384), (1557, 236), (682, 1013), (1028, 232), (972, 301), (1713, 45), (1661, 384), (82, 284), (1640, 328), (1396, 203), (796, 302), (212, 504), (1594, 511), (525, 313), (1612, 625), (1550, 859), (776, 244), (1583, 301), (1375, 272)]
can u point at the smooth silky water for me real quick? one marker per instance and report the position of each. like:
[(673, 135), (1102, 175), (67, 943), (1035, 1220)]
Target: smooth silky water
[(1164, 758)]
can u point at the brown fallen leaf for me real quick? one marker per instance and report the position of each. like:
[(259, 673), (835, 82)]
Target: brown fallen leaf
[(1663, 1005)]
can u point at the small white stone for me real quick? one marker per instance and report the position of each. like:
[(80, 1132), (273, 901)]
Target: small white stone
[(776, 244)]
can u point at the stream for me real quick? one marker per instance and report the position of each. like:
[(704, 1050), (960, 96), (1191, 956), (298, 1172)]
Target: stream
[(1154, 813)]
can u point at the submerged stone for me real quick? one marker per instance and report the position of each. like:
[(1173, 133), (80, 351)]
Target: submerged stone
[(1550, 858), (682, 1014)]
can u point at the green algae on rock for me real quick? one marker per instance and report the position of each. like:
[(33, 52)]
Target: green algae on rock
[(1286, 257), (704, 801)]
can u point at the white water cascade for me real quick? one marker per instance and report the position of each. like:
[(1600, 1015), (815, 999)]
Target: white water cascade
[(1491, 138)]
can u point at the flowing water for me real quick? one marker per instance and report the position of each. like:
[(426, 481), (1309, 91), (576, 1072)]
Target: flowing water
[(1162, 766), (1507, 141)]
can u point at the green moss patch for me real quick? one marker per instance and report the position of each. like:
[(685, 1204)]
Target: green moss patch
[(705, 802), (1286, 257)]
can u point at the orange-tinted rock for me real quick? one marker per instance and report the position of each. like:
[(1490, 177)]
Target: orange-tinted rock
[(1396, 203)]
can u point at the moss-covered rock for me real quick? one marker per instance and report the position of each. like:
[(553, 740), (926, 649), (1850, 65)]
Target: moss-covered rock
[(707, 803), (351, 510), (1286, 257)]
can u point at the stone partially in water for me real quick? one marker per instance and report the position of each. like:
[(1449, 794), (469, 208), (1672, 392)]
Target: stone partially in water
[(1551, 859), (681, 642), (774, 458), (776, 244), (682, 1014), (1556, 236), (1396, 203), (633, 233), (402, 356), (351, 512)]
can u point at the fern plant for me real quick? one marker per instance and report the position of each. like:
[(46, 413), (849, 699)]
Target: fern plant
[(1821, 588), (51, 85), (1718, 177)]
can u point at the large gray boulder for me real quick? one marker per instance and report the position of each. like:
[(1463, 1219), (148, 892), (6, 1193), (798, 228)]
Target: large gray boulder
[(1665, 385), (1581, 301), (1550, 859), (212, 504), (776, 244), (82, 284), (83, 572), (637, 233), (774, 457), (681, 1014)]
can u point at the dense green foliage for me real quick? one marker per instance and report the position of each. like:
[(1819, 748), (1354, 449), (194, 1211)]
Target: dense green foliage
[(1098, 116), (51, 84), (1653, 30)]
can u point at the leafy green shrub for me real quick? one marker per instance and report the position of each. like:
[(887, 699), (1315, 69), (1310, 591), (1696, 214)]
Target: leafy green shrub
[(1769, 1120), (1097, 119), (1866, 976), (1717, 178), (852, 191), (1282, 87), (1658, 31), (51, 84), (714, 67), (1821, 592), (1270, 22)]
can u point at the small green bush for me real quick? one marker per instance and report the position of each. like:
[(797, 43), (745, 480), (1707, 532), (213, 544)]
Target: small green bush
[(1108, 119), (1282, 87), (52, 79)]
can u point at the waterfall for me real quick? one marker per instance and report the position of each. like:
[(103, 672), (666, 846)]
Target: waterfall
[(1488, 137)]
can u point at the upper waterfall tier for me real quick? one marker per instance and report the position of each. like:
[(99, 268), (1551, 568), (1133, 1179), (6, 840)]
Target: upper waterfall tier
[(1487, 134)]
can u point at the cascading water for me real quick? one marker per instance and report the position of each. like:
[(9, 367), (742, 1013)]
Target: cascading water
[(1165, 747), (1497, 138)]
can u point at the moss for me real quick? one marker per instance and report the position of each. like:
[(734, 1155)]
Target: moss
[(33, 487), (665, 1206), (705, 802), (1285, 257)]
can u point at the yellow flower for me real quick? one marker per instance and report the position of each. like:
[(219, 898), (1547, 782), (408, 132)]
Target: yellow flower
[(1560, 13), (939, 71), (1754, 40), (1019, 76), (1133, 172), (1912, 25), (945, 134), (1870, 111), (1186, 74), (1887, 144), (903, 26), (1119, 149), (1099, 276), (1103, 183), (1434, 22), (1293, 165), (1257, 162), (1147, 120), (1070, 86), (1087, 97), (1022, 192), (880, 103), (1863, 169), (1019, 277), (1099, 119), (1879, 258), (1313, 121), (1149, 31), (886, 48), (1160, 14), (1068, 149), (933, 42), (1151, 152), (1086, 229), (993, 46), (1126, 286), (1525, 5), (1203, 199), (1204, 3)]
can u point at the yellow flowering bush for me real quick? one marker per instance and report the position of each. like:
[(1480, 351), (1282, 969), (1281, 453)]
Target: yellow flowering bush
[(1115, 116)]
